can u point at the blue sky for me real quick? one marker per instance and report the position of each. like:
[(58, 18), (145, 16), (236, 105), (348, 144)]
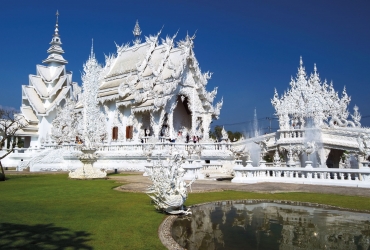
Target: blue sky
[(251, 47)]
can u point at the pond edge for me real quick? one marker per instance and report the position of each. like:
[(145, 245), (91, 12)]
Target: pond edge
[(164, 229)]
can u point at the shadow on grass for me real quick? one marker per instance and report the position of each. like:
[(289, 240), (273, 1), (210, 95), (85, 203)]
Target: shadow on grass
[(41, 236)]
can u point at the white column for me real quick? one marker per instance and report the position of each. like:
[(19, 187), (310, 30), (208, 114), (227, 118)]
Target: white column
[(193, 116), (170, 124)]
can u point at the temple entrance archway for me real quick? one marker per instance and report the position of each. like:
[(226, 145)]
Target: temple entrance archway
[(182, 115), (334, 158)]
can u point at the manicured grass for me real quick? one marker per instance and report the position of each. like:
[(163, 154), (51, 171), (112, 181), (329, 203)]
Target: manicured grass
[(102, 217), (53, 212)]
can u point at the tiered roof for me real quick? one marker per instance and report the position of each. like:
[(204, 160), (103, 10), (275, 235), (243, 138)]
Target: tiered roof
[(51, 84), (146, 75)]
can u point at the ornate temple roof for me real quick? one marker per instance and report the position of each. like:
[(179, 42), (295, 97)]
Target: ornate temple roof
[(51, 84), (153, 72), (309, 97)]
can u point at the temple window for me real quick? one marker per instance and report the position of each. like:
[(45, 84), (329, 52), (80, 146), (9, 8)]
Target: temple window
[(129, 130), (115, 133)]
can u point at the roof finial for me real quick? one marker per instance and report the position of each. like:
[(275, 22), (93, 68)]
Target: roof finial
[(137, 33), (92, 48), (301, 70), (55, 51), (57, 14), (56, 25)]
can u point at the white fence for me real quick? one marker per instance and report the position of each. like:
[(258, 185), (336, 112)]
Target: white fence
[(116, 146), (321, 176)]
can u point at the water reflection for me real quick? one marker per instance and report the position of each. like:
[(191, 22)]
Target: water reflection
[(248, 225)]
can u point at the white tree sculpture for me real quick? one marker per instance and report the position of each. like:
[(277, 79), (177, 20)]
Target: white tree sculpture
[(94, 130), (66, 124), (169, 190), (93, 121)]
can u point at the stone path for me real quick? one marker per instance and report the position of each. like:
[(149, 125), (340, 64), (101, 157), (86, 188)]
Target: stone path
[(136, 182)]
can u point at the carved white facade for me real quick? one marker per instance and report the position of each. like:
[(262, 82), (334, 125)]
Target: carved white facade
[(50, 88), (151, 92), (157, 87), (316, 142), (309, 100)]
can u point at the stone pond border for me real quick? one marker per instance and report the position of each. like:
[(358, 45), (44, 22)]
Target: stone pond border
[(164, 230)]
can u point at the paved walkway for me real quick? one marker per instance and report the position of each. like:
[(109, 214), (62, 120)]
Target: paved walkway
[(136, 182)]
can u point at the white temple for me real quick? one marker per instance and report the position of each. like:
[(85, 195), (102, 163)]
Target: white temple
[(316, 143), (147, 89), (151, 91), (49, 88), (151, 97)]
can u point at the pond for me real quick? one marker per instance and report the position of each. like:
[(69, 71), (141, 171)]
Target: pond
[(269, 225)]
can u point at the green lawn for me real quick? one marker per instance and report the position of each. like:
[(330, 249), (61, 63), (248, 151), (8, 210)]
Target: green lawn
[(53, 212)]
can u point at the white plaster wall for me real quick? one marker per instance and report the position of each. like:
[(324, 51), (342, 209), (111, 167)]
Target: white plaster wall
[(45, 124), (34, 141)]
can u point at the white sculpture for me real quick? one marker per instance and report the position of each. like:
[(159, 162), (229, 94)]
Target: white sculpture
[(88, 157), (363, 140), (93, 122), (168, 189), (277, 161), (66, 124), (224, 134), (290, 162), (240, 151), (313, 99)]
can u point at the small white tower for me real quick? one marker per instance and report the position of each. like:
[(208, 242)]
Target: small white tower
[(45, 91)]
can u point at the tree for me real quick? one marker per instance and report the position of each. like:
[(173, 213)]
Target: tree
[(10, 123), (234, 136), (216, 134)]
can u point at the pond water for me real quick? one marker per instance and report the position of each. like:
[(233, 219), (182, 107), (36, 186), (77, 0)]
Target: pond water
[(268, 225)]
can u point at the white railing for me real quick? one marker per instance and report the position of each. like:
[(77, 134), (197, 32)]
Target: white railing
[(322, 176), (293, 133), (117, 146)]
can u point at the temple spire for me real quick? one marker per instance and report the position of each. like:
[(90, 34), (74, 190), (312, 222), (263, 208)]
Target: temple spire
[(301, 70), (137, 33), (55, 51), (92, 48), (56, 31)]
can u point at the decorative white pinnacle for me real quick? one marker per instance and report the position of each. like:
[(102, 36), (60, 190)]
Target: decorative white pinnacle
[(92, 48), (55, 51), (137, 33), (56, 25)]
